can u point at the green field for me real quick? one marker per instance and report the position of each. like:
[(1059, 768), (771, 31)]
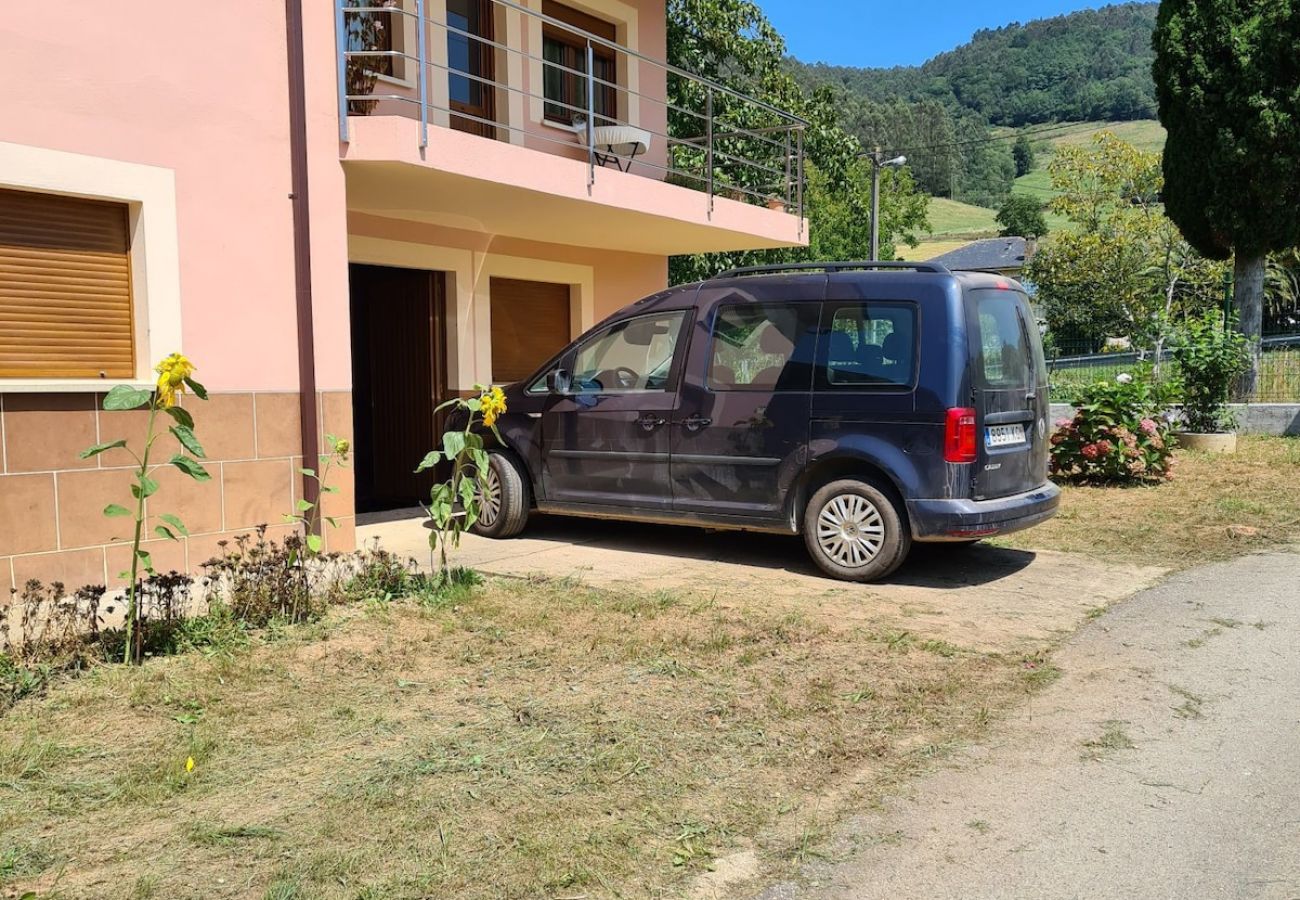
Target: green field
[(953, 223), (1146, 135), (949, 217)]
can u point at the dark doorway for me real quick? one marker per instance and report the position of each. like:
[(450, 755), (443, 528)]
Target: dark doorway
[(398, 378)]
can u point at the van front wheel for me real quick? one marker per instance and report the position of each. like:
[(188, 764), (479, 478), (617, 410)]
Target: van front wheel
[(854, 531), (503, 504)]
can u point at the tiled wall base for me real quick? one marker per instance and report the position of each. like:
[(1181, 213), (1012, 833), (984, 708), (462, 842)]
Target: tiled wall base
[(52, 527)]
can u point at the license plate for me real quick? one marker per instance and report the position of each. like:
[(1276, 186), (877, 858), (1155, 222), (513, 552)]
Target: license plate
[(1005, 435)]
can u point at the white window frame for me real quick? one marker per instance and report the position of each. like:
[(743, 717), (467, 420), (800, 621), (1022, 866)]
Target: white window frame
[(149, 193)]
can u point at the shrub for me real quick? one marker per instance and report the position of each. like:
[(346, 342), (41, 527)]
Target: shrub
[(1118, 435), (262, 581), (1211, 354)]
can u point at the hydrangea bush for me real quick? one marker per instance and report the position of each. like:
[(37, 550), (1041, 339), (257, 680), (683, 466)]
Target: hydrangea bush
[(1118, 436)]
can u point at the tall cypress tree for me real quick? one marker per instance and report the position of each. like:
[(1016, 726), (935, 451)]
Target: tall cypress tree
[(1228, 84)]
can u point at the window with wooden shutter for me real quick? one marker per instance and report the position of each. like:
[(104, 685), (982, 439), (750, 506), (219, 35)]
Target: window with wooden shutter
[(530, 324), (65, 288)]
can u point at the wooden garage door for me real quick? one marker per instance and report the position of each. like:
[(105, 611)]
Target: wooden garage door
[(530, 324), (65, 288)]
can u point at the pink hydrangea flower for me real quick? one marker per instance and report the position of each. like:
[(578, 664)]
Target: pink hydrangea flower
[(1064, 423), (1090, 451), (1149, 426)]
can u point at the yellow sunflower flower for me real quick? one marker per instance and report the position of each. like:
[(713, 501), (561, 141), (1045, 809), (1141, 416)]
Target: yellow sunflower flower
[(172, 373), (493, 404)]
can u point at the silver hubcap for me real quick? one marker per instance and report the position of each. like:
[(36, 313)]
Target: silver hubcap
[(489, 500), (850, 530)]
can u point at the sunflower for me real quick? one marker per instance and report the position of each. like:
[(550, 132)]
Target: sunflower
[(492, 403), (172, 375)]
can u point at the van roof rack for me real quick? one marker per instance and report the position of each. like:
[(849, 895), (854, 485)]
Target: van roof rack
[(833, 267)]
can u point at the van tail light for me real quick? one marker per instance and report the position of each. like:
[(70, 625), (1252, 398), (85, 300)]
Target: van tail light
[(959, 436)]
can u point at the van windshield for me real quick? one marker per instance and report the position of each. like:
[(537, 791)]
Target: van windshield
[(1006, 358)]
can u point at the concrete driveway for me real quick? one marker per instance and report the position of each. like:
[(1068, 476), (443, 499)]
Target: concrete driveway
[(980, 597), (1162, 764)]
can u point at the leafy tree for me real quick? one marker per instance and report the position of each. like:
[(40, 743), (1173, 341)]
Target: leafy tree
[(840, 226), (1022, 216), (1023, 153), (1229, 94), (1124, 269), (732, 43)]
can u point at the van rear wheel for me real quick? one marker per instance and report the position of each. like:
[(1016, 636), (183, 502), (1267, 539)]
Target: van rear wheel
[(855, 532), (503, 504)]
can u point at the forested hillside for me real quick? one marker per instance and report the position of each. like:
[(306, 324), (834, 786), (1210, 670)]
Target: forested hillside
[(1089, 65)]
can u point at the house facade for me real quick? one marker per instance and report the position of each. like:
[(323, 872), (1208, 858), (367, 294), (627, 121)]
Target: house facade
[(342, 215)]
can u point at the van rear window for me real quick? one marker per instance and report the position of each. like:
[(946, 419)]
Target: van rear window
[(1005, 358)]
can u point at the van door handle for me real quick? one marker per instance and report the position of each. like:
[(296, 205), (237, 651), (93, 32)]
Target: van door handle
[(650, 422), (695, 423)]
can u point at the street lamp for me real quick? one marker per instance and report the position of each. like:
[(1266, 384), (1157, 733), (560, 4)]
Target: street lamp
[(878, 162)]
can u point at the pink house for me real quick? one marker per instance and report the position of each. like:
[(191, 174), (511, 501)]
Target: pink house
[(341, 214)]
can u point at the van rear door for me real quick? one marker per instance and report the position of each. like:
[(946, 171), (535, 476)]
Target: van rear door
[(1009, 378)]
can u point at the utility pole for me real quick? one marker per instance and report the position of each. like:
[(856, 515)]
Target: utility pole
[(875, 205), (878, 162)]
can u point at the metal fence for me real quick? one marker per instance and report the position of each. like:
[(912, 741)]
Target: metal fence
[(716, 140), (1278, 382)]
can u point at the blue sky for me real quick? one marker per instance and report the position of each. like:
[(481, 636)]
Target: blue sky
[(896, 32)]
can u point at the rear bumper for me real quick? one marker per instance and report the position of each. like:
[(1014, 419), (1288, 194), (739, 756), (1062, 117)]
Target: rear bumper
[(955, 520)]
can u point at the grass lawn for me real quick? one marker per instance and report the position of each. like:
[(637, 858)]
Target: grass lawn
[(1216, 507), (540, 738)]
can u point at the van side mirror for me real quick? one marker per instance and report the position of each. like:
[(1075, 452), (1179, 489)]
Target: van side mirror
[(558, 381)]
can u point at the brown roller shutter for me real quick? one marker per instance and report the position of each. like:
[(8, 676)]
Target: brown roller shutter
[(65, 288), (530, 324)]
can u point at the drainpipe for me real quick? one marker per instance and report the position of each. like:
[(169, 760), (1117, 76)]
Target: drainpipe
[(302, 256)]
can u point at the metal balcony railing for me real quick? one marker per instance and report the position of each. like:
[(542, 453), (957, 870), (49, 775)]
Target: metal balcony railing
[(717, 140)]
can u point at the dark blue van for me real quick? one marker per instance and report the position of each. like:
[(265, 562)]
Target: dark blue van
[(864, 405)]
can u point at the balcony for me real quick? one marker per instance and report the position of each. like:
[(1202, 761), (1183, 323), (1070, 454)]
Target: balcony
[(494, 117)]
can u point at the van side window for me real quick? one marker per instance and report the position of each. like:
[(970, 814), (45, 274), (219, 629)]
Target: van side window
[(634, 355), (867, 346), (763, 347)]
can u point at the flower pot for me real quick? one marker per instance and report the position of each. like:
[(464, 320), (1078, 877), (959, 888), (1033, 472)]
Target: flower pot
[(1215, 442)]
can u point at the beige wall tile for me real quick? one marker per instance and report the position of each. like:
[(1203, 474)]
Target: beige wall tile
[(27, 514), (204, 547), (6, 574), (256, 492), (336, 414), (198, 503), (343, 502), (75, 568), (82, 498), (131, 424), (167, 556), (223, 424), (279, 425), (44, 432), (342, 539)]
